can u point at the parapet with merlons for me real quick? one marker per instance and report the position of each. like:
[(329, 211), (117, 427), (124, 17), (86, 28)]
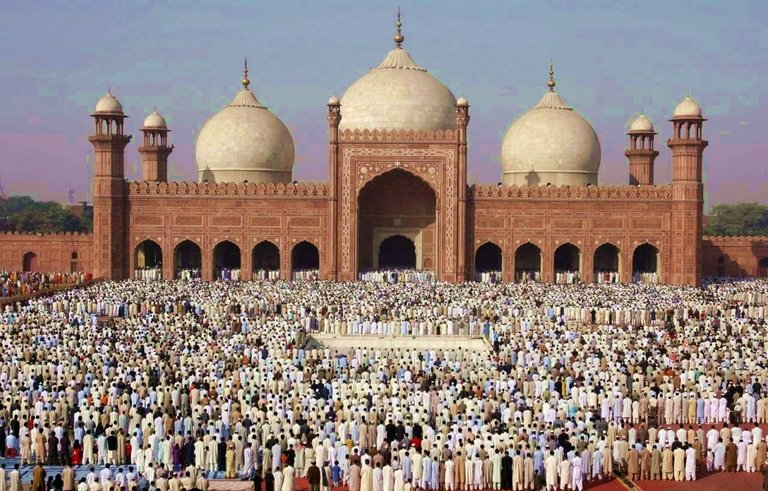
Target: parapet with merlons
[(399, 136), (605, 192), (225, 189), (36, 235)]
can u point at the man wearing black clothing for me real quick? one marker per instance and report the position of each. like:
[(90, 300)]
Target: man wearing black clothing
[(506, 471), (112, 448)]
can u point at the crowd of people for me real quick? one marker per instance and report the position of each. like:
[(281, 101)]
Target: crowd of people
[(398, 276), (19, 284), (489, 276), (173, 380), (567, 277), (148, 273)]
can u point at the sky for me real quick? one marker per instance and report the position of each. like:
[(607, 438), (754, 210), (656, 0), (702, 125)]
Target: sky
[(612, 60)]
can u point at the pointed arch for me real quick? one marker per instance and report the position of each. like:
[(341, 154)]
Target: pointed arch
[(528, 262), (567, 263), (29, 262), (646, 265), (488, 262), (397, 252), (187, 259), (265, 260), (762, 268), (305, 260), (226, 260), (148, 260), (606, 263)]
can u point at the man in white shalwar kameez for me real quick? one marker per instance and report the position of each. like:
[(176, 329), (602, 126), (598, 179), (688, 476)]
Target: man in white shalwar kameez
[(577, 474), (550, 471)]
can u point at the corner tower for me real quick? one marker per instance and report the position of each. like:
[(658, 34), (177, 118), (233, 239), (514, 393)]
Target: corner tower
[(109, 189), (687, 146)]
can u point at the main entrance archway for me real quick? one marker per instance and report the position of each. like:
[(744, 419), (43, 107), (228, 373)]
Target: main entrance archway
[(226, 261), (396, 204), (397, 252)]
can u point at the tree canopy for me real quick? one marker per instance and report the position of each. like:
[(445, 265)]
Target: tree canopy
[(24, 214), (738, 219)]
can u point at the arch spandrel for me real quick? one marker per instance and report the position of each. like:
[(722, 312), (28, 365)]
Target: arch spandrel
[(428, 172)]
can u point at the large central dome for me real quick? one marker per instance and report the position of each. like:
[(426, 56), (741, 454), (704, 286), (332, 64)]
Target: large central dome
[(398, 94)]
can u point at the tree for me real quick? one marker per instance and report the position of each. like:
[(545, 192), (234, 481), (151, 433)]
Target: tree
[(24, 214), (738, 219)]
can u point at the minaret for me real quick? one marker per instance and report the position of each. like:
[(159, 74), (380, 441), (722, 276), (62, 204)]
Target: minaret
[(641, 153), (109, 190), (155, 149), (462, 121), (334, 118), (687, 145)]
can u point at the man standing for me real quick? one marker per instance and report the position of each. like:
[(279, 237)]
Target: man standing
[(38, 478)]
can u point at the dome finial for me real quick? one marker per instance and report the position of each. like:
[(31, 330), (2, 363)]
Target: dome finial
[(245, 81), (551, 84), (399, 38)]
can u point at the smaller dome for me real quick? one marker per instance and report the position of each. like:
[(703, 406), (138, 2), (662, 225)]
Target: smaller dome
[(155, 120), (462, 101), (333, 101), (687, 108), (641, 123), (109, 105)]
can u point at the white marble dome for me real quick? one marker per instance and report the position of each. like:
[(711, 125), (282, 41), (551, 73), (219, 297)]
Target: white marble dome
[(108, 105), (155, 120), (641, 123), (550, 143), (244, 142), (398, 94), (687, 108)]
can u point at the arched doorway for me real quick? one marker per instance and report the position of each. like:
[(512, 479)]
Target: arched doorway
[(187, 260), (606, 264), (226, 261), (528, 263), (266, 261), (73, 267), (30, 262), (396, 203), (567, 264), (148, 258), (488, 263), (762, 268), (397, 252), (645, 264), (305, 261)]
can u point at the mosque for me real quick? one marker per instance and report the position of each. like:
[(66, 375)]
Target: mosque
[(396, 196)]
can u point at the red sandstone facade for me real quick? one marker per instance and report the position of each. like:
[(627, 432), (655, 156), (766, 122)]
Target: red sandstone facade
[(394, 183)]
